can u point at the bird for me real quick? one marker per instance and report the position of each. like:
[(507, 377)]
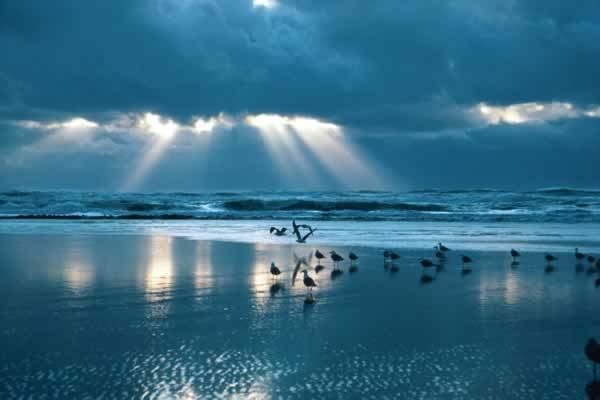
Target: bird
[(442, 247), (466, 260), (386, 256), (278, 231), (319, 256), (591, 259), (274, 270), (427, 263), (394, 256), (353, 257), (336, 259), (296, 231), (302, 239), (309, 283), (514, 254), (550, 258), (592, 351), (579, 256), (439, 254)]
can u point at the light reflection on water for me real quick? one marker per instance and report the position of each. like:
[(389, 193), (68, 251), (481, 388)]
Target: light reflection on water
[(174, 318)]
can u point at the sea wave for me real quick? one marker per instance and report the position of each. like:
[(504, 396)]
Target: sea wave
[(307, 205)]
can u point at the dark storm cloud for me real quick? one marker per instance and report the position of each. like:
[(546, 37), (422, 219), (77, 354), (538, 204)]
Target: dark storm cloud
[(402, 77)]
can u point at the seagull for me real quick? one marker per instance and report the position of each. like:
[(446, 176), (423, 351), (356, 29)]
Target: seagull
[(386, 256), (427, 263), (439, 254), (353, 257), (274, 270), (579, 256), (309, 283), (336, 259), (278, 231), (591, 259), (514, 254), (319, 256), (300, 261), (550, 258), (302, 239), (466, 260), (394, 256), (592, 351), (442, 247)]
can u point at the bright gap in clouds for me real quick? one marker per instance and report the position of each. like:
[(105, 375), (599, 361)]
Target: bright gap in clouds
[(264, 3), (533, 112), (322, 141)]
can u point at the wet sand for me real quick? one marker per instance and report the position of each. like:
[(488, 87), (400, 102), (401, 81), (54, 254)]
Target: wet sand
[(164, 317)]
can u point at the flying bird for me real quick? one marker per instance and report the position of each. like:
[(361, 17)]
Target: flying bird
[(278, 231), (274, 270), (514, 254), (302, 239), (300, 261), (592, 351)]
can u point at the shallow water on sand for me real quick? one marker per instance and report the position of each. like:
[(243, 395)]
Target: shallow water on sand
[(163, 317)]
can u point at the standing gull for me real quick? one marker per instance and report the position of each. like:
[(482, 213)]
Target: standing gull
[(442, 247), (466, 260), (514, 254), (274, 270), (579, 256), (309, 283), (336, 259)]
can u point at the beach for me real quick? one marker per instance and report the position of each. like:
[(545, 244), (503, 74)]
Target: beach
[(99, 315)]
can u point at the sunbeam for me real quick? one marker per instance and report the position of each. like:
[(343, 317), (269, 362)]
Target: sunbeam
[(290, 138)]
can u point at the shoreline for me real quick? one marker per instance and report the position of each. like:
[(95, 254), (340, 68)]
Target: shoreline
[(499, 236)]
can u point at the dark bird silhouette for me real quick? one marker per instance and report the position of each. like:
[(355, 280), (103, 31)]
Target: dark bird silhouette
[(353, 257), (591, 259), (514, 254), (386, 255), (336, 259), (442, 247), (592, 352), (319, 256), (278, 231), (300, 261), (597, 283), (550, 258), (302, 239), (466, 260), (319, 268), (579, 256), (296, 230), (394, 256), (274, 270), (309, 283), (439, 254), (427, 263)]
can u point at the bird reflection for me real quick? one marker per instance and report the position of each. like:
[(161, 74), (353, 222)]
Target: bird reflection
[(426, 279), (592, 390), (515, 264), (319, 268), (276, 288), (578, 268)]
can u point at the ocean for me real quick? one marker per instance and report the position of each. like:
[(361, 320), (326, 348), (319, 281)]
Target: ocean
[(554, 219)]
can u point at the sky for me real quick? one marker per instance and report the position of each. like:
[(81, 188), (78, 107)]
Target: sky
[(196, 95)]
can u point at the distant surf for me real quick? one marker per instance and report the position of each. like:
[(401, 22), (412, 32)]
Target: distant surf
[(565, 205)]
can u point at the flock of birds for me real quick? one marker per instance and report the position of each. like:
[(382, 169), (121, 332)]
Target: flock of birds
[(390, 259)]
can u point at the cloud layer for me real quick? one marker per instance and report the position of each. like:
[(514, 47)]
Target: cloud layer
[(424, 93)]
